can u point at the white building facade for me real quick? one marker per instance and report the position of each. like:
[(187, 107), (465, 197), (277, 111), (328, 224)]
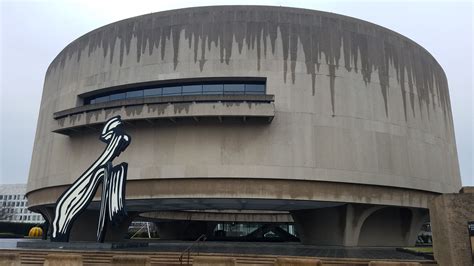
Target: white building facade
[(13, 205)]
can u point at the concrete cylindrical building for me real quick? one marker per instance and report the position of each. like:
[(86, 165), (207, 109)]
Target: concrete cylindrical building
[(340, 122)]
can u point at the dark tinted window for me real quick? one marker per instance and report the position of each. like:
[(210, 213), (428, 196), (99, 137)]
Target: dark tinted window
[(134, 94), (102, 99), (153, 92), (212, 89), (191, 89), (234, 88), (169, 91), (117, 96), (254, 88)]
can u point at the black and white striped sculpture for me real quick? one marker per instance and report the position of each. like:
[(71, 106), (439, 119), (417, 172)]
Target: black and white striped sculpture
[(76, 199)]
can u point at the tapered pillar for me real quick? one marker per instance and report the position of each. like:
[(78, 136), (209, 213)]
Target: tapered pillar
[(360, 225)]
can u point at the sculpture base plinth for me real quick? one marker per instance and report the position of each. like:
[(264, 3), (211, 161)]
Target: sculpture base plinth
[(79, 245)]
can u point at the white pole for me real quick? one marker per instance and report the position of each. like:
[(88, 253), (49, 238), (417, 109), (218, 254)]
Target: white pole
[(148, 229)]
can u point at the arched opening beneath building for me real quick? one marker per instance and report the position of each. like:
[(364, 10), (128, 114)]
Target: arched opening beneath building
[(389, 226)]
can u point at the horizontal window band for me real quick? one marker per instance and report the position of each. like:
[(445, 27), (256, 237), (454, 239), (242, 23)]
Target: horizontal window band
[(204, 86)]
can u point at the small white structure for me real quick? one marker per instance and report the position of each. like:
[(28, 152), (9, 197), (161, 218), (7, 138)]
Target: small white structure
[(13, 205)]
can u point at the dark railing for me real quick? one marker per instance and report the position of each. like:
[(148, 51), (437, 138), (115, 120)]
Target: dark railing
[(188, 250)]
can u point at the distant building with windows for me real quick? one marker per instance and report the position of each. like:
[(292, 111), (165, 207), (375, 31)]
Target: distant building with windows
[(13, 205)]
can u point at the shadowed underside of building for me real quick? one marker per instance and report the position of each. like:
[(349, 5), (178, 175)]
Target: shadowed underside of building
[(340, 123)]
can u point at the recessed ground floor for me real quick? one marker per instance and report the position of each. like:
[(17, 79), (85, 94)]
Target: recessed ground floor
[(314, 212)]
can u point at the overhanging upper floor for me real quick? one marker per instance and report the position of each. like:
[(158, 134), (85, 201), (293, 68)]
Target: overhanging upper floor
[(256, 108)]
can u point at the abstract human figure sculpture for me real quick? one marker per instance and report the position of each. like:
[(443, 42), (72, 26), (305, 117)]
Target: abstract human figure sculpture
[(76, 199)]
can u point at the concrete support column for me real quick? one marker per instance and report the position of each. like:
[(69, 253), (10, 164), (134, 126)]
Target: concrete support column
[(450, 214), (323, 226), (392, 226), (419, 217), (359, 225), (356, 215), (334, 225)]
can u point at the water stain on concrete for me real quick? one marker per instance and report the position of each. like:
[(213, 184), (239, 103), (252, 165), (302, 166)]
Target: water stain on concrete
[(179, 107), (134, 110), (158, 108), (325, 38), (112, 111), (89, 116)]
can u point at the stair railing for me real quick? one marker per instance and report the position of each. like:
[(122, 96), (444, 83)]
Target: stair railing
[(188, 250)]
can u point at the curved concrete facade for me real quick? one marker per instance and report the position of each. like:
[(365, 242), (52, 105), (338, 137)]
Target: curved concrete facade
[(354, 104)]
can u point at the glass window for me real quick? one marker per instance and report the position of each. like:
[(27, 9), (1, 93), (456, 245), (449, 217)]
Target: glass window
[(153, 92), (192, 89), (168, 91), (102, 99), (1, 197), (118, 96), (234, 88), (254, 89), (212, 89), (9, 197), (134, 94)]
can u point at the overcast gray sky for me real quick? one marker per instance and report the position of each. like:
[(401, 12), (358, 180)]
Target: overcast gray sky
[(34, 32)]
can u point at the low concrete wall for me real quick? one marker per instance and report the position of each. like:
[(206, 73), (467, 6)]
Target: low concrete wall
[(131, 260), (393, 263), (297, 262), (221, 261), (38, 257), (9, 259), (56, 259), (450, 214)]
